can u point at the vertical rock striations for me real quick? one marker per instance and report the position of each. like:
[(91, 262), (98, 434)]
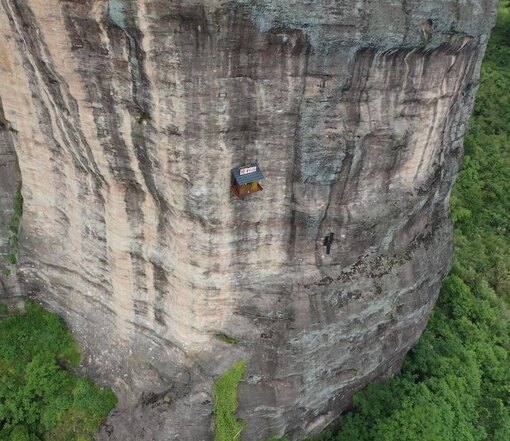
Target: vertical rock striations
[(130, 115), (10, 181)]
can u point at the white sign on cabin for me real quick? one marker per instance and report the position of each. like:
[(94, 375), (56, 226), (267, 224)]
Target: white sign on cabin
[(247, 170)]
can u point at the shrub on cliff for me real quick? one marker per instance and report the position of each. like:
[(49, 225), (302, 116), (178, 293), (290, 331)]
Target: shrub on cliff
[(40, 397)]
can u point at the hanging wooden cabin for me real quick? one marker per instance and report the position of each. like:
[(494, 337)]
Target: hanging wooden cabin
[(245, 180)]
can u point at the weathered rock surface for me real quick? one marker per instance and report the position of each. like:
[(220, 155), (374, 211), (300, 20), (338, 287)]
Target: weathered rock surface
[(10, 181), (130, 116)]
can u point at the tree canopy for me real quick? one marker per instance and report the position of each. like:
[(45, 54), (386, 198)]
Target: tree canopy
[(41, 398)]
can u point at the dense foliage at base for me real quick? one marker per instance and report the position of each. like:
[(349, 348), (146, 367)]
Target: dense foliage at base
[(455, 384), (40, 397), (226, 426)]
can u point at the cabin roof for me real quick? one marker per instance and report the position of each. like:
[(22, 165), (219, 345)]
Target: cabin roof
[(246, 178)]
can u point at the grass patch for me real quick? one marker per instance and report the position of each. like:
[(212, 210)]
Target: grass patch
[(226, 338), (39, 399), (227, 426)]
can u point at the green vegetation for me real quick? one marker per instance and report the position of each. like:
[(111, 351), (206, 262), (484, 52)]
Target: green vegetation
[(143, 116), (481, 201), (226, 338), (41, 399), (14, 228), (455, 384), (227, 426)]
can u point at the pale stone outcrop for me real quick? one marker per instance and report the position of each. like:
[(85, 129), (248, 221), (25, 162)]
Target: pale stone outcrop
[(130, 115)]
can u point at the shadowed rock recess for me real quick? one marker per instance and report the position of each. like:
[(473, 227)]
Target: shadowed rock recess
[(130, 115)]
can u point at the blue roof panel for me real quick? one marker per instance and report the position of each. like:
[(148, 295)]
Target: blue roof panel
[(246, 178)]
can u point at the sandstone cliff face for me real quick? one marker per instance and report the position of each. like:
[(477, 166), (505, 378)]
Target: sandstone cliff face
[(130, 115), (10, 181)]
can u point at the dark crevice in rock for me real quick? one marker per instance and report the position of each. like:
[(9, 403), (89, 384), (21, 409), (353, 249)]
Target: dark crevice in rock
[(10, 182), (296, 158)]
